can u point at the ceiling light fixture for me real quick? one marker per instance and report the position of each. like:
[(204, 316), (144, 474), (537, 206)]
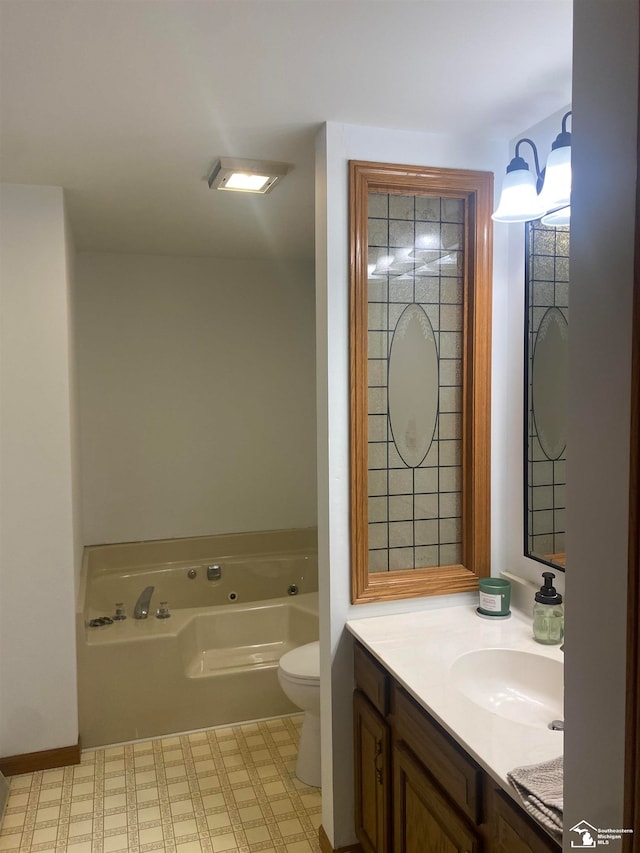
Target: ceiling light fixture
[(548, 195), (246, 176)]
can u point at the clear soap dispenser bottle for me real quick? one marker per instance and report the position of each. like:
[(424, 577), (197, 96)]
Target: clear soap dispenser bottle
[(548, 613)]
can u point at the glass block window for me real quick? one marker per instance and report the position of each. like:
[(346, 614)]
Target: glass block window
[(416, 316)]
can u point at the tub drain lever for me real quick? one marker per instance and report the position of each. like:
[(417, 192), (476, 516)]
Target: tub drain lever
[(214, 573)]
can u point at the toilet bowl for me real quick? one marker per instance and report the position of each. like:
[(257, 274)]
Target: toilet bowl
[(299, 677)]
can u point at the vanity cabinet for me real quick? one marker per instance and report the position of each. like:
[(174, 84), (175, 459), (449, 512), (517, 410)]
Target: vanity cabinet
[(372, 755), (423, 818), (416, 789)]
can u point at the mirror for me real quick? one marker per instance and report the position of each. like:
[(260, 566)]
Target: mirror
[(546, 354), (420, 379)]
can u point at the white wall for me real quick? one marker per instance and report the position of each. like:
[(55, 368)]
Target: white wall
[(196, 393), (605, 110), (38, 704), (336, 144)]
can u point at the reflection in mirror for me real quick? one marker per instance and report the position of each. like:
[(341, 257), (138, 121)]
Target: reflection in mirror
[(420, 342), (547, 338)]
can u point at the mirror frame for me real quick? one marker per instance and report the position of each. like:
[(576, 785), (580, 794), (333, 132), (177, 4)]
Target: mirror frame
[(476, 189)]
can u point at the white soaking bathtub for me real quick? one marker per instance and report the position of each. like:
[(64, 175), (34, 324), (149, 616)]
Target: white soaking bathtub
[(214, 661)]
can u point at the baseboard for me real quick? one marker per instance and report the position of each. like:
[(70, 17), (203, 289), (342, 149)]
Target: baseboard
[(4, 796), (28, 762), (326, 847)]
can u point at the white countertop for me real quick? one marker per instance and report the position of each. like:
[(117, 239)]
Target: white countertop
[(418, 650)]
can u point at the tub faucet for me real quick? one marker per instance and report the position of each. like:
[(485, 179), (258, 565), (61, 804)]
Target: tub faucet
[(141, 610)]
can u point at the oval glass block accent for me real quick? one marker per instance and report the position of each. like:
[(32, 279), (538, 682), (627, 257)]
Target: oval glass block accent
[(413, 385), (549, 383)]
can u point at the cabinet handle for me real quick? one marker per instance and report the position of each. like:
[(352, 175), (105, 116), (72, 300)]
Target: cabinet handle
[(378, 755)]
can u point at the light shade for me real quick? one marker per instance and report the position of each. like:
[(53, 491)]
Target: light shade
[(558, 217), (246, 176), (519, 201), (556, 190)]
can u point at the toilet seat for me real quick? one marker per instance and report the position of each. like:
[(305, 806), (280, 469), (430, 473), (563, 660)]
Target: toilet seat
[(302, 664)]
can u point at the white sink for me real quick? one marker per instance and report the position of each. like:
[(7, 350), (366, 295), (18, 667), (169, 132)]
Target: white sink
[(519, 686)]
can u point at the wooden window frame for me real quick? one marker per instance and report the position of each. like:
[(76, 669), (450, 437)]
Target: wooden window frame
[(476, 188)]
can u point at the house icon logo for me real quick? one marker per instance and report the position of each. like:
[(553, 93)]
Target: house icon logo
[(588, 835)]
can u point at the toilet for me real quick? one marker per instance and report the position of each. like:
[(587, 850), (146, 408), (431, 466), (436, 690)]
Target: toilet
[(299, 677)]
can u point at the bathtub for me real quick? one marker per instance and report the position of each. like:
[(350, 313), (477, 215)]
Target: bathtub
[(214, 661)]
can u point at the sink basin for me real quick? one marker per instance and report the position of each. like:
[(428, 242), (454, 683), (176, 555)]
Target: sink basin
[(519, 686)]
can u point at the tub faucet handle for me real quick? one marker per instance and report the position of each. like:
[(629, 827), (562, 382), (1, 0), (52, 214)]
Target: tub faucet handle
[(163, 610)]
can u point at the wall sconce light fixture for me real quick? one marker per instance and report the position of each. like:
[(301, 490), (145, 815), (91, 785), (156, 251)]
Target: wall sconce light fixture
[(548, 195), (246, 176)]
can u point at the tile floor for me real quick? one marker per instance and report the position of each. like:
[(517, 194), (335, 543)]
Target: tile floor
[(226, 789)]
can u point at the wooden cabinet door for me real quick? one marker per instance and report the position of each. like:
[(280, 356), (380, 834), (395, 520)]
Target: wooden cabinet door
[(511, 830), (372, 771), (423, 820)]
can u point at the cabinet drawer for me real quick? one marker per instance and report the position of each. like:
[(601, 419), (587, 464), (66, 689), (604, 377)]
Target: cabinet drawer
[(371, 678), (455, 772)]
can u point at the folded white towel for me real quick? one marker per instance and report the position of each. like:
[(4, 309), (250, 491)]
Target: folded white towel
[(540, 789)]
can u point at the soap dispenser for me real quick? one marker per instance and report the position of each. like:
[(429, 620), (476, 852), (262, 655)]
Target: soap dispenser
[(548, 613)]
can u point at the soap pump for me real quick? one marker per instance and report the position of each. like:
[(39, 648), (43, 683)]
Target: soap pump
[(548, 613)]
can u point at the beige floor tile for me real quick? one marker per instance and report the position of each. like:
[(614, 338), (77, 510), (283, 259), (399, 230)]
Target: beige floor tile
[(80, 827), (213, 801), (145, 796), (218, 820), (10, 841), (80, 789), (148, 814), (189, 847), (184, 827), (113, 843), (290, 827), (115, 821), (43, 836), (46, 813), (244, 795), (81, 807), (114, 783), (51, 776), (50, 795), (221, 843), (13, 822), (17, 799), (267, 770), (197, 793), (250, 813), (181, 809), (279, 807), (115, 801), (21, 782), (178, 771), (151, 836), (83, 771), (79, 847), (300, 847), (257, 834)]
